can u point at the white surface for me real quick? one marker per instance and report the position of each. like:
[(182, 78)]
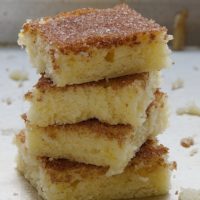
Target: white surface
[(14, 187)]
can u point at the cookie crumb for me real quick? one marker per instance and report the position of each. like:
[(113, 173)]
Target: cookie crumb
[(187, 142), (179, 83), (18, 75), (190, 109), (173, 165)]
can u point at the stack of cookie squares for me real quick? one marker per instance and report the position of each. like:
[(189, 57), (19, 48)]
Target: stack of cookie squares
[(96, 110)]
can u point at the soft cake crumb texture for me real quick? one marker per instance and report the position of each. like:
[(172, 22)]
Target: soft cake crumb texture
[(147, 175), (92, 44), (122, 100), (98, 143)]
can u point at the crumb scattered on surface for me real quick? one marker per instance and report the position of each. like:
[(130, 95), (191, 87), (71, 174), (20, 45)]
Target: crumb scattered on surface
[(190, 109), (194, 151), (189, 194), (18, 75), (187, 142), (179, 83), (173, 165), (8, 101)]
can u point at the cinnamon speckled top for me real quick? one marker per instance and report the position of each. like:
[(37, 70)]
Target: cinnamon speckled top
[(84, 28)]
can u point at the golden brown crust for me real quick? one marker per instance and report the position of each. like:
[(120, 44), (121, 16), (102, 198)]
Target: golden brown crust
[(63, 164), (150, 152), (62, 170), (115, 83), (96, 128), (158, 102), (117, 132), (82, 29), (150, 156)]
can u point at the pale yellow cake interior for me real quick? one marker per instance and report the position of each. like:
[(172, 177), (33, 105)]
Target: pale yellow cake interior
[(98, 63), (113, 102), (95, 143), (61, 180)]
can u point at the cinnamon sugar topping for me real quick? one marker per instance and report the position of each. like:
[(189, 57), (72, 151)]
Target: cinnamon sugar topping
[(81, 29)]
